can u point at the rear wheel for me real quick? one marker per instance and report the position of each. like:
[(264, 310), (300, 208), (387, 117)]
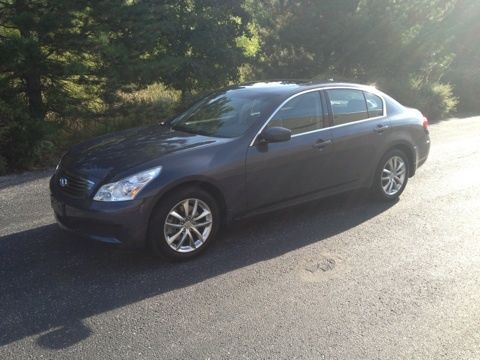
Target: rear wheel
[(391, 176), (184, 224)]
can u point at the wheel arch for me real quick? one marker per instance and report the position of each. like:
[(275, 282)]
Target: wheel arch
[(203, 184), (409, 151), (405, 147)]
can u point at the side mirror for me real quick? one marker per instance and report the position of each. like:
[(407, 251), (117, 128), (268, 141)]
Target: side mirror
[(276, 134)]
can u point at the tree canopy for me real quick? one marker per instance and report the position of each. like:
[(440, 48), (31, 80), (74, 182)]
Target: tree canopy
[(66, 63)]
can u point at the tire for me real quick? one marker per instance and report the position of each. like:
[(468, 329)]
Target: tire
[(184, 235), (392, 160)]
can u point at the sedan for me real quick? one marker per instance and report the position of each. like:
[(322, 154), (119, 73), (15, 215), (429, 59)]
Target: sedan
[(241, 151)]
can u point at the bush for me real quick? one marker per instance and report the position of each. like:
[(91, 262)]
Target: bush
[(467, 81), (27, 144), (148, 106), (129, 115), (437, 100), (24, 143), (434, 100)]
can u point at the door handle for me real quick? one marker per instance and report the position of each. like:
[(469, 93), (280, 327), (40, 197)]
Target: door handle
[(321, 144), (380, 128)]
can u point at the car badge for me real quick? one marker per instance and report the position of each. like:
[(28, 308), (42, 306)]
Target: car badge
[(63, 181)]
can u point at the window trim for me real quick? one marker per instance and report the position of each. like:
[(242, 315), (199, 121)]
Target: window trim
[(330, 112)]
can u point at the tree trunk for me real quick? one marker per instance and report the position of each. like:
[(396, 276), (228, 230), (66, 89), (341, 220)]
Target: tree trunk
[(33, 91), (33, 85)]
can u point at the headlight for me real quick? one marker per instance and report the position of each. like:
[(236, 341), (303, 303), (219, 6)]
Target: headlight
[(128, 188)]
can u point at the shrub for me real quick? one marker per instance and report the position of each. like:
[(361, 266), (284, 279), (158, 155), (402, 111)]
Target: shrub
[(437, 100), (27, 144), (129, 115), (148, 106), (467, 81), (434, 100), (24, 143)]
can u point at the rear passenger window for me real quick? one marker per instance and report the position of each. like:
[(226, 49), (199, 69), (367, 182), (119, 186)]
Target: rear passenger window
[(301, 114), (374, 105), (347, 105)]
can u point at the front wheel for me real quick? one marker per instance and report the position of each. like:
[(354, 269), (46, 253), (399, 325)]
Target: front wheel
[(184, 224), (391, 176)]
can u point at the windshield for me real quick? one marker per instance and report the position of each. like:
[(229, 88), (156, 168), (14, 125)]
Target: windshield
[(226, 114)]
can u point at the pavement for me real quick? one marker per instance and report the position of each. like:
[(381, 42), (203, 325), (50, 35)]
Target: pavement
[(342, 278)]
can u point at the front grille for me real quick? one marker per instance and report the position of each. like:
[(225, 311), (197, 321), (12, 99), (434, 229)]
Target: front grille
[(73, 184)]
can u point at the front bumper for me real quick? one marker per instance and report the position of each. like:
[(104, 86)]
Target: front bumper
[(122, 223)]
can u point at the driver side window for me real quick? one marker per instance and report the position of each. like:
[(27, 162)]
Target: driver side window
[(301, 114)]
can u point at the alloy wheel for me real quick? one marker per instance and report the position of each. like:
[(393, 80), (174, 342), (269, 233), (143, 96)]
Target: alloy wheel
[(188, 225), (393, 175)]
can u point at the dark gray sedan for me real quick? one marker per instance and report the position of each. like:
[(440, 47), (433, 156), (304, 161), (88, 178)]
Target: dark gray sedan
[(242, 151)]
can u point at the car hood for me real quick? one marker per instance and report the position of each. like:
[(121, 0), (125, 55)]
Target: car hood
[(120, 151)]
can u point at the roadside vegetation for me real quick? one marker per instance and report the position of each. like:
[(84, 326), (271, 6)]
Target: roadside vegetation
[(73, 69)]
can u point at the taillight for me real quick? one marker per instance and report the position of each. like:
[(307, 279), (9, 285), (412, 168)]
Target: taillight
[(425, 123)]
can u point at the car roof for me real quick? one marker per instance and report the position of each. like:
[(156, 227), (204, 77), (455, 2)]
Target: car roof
[(291, 87)]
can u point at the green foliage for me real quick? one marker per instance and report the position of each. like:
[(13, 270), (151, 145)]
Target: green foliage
[(250, 43), (464, 71), (27, 143), (68, 64), (148, 106), (154, 93), (73, 69), (352, 38), (439, 101), (387, 42), (435, 100), (467, 86), (198, 46)]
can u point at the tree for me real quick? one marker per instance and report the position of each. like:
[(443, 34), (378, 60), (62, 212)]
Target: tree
[(42, 48), (68, 60), (351, 38), (403, 46), (198, 46), (464, 73)]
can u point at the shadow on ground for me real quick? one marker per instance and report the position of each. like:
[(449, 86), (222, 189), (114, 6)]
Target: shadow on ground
[(51, 281)]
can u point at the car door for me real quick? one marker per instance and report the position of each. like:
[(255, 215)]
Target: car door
[(277, 172), (359, 130)]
